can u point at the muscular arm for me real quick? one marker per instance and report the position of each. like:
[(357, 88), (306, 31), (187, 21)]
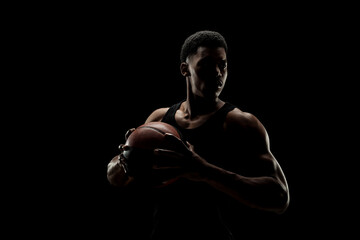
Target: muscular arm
[(268, 193), (267, 188)]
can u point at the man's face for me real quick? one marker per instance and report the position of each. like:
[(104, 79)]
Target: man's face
[(208, 72)]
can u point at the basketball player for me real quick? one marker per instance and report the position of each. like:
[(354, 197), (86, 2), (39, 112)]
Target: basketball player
[(229, 182)]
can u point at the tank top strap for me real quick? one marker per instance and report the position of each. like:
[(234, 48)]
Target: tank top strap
[(223, 111), (169, 116)]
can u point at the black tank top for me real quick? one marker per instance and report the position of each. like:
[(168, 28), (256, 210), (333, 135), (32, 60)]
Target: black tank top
[(192, 210)]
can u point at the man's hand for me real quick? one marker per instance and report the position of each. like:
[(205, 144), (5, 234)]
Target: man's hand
[(184, 162)]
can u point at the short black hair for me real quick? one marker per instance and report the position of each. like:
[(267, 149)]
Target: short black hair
[(204, 38)]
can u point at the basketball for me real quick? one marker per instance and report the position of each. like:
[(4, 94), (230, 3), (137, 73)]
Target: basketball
[(141, 143), (151, 136)]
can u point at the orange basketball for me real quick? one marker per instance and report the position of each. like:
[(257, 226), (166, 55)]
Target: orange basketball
[(141, 143), (151, 135)]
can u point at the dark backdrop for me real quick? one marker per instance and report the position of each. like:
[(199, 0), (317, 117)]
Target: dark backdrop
[(98, 71)]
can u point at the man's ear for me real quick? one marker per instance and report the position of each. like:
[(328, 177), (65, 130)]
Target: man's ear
[(184, 69)]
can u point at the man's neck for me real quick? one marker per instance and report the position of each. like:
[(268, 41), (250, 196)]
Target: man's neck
[(198, 106)]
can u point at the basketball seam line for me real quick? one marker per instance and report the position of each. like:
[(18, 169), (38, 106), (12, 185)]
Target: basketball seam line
[(160, 131)]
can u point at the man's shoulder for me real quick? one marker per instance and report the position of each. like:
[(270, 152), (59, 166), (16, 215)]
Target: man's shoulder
[(157, 114), (238, 117), (237, 113)]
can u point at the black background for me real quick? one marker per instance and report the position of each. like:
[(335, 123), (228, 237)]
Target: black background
[(88, 73)]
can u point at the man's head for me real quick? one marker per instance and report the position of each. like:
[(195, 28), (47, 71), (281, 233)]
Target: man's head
[(203, 38), (204, 64)]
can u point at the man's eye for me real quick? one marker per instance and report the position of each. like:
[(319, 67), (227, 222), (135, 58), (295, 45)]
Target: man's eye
[(223, 65)]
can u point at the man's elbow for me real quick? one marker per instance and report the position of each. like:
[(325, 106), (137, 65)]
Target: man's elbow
[(283, 202)]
